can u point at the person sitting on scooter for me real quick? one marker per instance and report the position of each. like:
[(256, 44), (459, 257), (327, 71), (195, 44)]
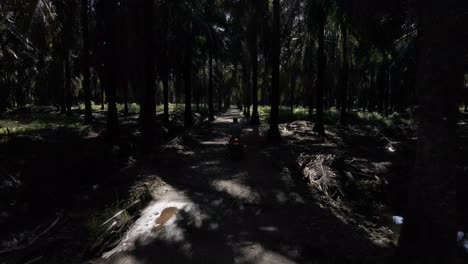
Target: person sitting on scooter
[(235, 130)]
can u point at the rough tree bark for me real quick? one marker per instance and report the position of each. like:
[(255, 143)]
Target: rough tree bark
[(318, 127), (292, 88), (85, 61), (429, 232), (188, 118), (210, 85), (149, 112), (68, 84), (255, 120), (345, 74), (273, 132)]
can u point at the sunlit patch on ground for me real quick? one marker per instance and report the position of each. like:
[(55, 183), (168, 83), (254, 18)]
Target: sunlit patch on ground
[(256, 254), (236, 189), (158, 219)]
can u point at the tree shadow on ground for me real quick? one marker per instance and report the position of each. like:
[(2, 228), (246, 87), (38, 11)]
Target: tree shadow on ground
[(254, 211)]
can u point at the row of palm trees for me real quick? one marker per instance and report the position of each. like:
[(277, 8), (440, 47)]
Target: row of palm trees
[(127, 46)]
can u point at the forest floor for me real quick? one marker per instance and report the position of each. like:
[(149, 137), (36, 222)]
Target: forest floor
[(208, 208), (306, 200)]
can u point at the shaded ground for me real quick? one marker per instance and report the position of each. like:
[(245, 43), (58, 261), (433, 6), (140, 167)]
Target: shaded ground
[(60, 180), (303, 201), (211, 209)]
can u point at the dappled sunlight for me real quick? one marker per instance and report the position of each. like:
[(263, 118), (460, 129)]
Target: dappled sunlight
[(159, 221), (236, 189), (257, 254), (233, 131), (206, 164)]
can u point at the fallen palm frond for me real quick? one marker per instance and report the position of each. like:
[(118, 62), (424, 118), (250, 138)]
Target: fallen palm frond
[(317, 169)]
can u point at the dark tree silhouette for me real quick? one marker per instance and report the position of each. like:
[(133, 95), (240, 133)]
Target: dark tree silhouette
[(149, 106), (188, 119), (345, 74), (210, 85), (322, 18), (253, 47), (68, 84), (85, 62), (273, 132), (429, 232)]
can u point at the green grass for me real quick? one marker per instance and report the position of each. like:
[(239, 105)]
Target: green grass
[(134, 108), (34, 123), (32, 119), (285, 115), (94, 223), (332, 117)]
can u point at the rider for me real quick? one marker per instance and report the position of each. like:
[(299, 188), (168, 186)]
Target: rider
[(235, 130)]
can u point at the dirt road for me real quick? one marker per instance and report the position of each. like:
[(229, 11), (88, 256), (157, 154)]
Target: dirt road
[(211, 209)]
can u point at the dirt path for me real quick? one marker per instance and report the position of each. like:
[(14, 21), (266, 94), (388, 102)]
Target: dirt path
[(211, 209)]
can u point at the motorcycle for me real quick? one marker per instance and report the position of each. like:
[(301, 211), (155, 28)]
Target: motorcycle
[(235, 148)]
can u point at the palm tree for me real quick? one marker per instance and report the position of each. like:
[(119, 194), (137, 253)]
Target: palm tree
[(210, 85), (85, 61), (429, 231), (322, 18), (188, 119), (107, 12), (149, 107), (345, 73), (253, 48), (273, 132)]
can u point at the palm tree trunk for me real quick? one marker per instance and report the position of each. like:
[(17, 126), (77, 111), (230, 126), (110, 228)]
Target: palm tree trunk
[(126, 84), (255, 120), (165, 82), (68, 84), (86, 73), (102, 83), (429, 231), (292, 86), (149, 112), (273, 132), (319, 128), (61, 71), (210, 85), (188, 119), (345, 74)]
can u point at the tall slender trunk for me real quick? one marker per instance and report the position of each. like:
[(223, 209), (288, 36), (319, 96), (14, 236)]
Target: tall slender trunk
[(371, 91), (219, 85), (429, 231), (345, 74), (197, 98), (149, 112), (68, 84), (188, 119), (255, 120), (165, 62), (165, 82), (351, 89), (273, 132), (292, 87), (244, 89), (319, 128), (102, 84), (62, 90), (210, 85), (110, 69), (125, 96), (465, 92), (85, 58), (248, 94), (205, 86)]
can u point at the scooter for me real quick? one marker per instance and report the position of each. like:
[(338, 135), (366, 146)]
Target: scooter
[(235, 148)]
